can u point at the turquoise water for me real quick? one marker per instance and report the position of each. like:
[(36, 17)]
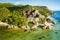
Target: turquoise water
[(56, 17)]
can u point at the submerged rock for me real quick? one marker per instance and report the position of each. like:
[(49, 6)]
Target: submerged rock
[(56, 32)]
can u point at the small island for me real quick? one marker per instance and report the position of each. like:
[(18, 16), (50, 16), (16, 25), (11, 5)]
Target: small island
[(25, 16), (24, 22)]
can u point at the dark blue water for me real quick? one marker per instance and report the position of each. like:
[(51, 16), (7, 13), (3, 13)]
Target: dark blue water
[(56, 17)]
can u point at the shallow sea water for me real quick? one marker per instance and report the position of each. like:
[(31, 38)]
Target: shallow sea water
[(56, 31)]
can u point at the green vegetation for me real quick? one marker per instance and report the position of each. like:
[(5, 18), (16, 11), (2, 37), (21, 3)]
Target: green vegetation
[(43, 10), (6, 5), (13, 14)]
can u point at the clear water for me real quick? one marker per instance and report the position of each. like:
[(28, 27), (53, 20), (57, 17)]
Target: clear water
[(56, 17)]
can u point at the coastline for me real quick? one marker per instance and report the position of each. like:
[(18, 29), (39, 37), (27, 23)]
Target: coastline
[(51, 23), (50, 17)]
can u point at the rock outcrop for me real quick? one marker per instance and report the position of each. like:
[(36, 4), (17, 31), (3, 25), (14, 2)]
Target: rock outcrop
[(35, 17)]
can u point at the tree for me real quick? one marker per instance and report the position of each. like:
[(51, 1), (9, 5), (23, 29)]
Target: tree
[(4, 12)]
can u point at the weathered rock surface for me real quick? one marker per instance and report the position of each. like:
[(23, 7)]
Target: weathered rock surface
[(35, 17)]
